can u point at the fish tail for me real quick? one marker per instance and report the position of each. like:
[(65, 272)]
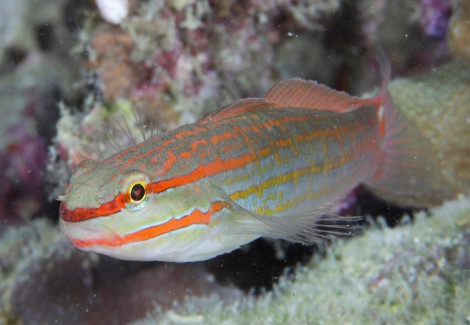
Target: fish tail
[(406, 173)]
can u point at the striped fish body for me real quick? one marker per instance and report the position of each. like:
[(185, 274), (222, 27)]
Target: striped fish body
[(259, 167), (282, 161)]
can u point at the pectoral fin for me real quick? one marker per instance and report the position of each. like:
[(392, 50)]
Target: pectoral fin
[(305, 228)]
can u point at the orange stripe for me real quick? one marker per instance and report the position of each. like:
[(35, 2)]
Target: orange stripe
[(221, 137), (167, 164), (199, 142), (195, 217), (185, 155), (80, 214), (184, 133), (209, 169), (248, 142), (147, 153), (116, 158)]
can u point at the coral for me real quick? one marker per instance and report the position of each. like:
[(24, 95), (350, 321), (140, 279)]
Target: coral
[(28, 109), (113, 11), (111, 50), (189, 53), (32, 28), (167, 57), (103, 131), (407, 31), (183, 58), (178, 60), (23, 165), (172, 62), (34, 76)]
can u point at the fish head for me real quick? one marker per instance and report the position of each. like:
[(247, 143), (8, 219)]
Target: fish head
[(127, 215), (88, 188)]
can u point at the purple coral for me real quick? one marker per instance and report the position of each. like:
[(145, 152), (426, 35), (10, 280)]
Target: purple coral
[(435, 17)]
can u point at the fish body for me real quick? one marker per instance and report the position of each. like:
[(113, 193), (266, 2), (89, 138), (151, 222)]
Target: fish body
[(259, 167)]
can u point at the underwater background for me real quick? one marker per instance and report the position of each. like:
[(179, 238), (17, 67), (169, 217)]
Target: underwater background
[(70, 69)]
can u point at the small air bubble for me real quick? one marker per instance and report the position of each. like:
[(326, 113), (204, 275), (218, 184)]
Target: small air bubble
[(290, 34), (406, 35)]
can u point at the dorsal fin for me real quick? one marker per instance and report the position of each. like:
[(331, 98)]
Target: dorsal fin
[(309, 94), (295, 93), (234, 109)]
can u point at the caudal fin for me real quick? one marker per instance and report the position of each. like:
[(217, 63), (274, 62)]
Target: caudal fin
[(406, 165)]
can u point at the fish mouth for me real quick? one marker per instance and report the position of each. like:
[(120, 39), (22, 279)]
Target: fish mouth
[(80, 232)]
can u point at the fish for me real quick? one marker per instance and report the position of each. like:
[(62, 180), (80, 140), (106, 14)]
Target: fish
[(260, 167)]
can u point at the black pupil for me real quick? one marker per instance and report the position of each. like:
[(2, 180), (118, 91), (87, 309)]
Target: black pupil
[(137, 192)]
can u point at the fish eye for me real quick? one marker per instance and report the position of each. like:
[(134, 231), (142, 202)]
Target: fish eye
[(138, 192), (135, 190)]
